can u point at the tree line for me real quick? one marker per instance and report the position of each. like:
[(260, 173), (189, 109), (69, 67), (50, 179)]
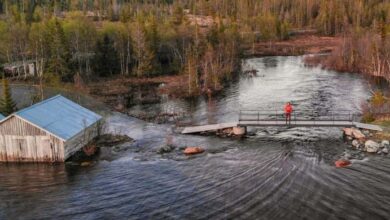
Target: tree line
[(144, 38)]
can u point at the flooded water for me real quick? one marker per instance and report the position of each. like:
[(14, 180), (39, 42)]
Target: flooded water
[(278, 173)]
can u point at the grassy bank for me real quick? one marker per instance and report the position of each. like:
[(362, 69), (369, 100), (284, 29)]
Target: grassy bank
[(385, 135)]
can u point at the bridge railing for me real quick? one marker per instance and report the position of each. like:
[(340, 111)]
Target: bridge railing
[(270, 115)]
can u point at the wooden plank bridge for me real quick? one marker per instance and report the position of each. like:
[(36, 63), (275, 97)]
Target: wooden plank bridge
[(261, 118)]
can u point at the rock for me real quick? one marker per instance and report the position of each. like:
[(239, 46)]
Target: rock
[(85, 164), (342, 163), (238, 131), (385, 150), (227, 131), (347, 131), (355, 143), (166, 149), (371, 146), (347, 156), (385, 143), (193, 150), (90, 150), (379, 152), (250, 134), (353, 132), (119, 107), (366, 132), (356, 133), (110, 140)]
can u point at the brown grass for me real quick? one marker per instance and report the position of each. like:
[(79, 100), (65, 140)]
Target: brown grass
[(299, 45)]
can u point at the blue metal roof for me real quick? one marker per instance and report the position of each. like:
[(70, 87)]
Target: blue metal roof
[(1, 117), (59, 116)]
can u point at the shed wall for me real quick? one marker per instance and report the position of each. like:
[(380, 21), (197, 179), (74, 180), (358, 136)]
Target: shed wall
[(81, 139), (21, 141)]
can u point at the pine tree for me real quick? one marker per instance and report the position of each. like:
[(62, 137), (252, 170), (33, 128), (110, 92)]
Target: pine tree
[(7, 105), (143, 55), (106, 58), (59, 54)]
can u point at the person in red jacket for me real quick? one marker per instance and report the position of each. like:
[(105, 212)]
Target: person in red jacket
[(288, 109)]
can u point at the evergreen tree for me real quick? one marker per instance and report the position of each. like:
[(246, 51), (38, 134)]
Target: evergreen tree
[(106, 58), (143, 55), (7, 105), (59, 50)]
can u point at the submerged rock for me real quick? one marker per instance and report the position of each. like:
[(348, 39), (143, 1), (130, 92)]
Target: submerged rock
[(86, 163), (109, 140), (193, 150), (385, 150), (342, 163), (371, 146), (166, 149)]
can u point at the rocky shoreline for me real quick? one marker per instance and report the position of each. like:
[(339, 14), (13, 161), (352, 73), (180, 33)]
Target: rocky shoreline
[(365, 141)]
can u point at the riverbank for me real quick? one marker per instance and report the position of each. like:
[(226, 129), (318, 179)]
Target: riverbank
[(386, 130), (174, 86), (296, 45)]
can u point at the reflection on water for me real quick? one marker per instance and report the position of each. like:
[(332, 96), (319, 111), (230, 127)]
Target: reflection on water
[(279, 173)]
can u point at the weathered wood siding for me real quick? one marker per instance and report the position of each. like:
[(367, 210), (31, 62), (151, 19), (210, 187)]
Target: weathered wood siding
[(21, 141), (80, 140)]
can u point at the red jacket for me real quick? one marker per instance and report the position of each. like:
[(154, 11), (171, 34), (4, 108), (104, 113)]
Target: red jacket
[(288, 108)]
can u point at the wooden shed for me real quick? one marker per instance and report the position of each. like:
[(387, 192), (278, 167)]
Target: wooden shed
[(20, 68), (49, 131)]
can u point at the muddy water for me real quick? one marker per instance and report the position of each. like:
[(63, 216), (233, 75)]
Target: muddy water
[(276, 174)]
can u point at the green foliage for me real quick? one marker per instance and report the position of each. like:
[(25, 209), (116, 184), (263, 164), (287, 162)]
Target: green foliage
[(7, 105), (368, 117), (378, 99), (282, 30), (58, 48), (148, 38)]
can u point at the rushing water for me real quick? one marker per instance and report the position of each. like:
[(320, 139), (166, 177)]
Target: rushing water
[(276, 174)]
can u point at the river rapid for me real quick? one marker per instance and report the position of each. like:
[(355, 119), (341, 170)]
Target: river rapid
[(278, 173)]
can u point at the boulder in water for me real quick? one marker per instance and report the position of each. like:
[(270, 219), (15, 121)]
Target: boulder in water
[(86, 163), (193, 150), (356, 133), (166, 149), (385, 143), (342, 163), (385, 150), (371, 146), (355, 143), (348, 131), (238, 131)]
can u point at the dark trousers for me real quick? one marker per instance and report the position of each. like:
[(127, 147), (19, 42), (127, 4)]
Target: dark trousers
[(288, 118)]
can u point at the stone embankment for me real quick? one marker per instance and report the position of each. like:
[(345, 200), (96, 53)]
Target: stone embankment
[(364, 141)]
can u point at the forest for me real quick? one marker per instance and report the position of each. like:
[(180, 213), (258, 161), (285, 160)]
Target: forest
[(203, 40)]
